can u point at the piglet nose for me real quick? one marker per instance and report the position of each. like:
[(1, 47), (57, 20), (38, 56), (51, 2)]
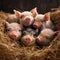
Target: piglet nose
[(27, 19), (37, 39), (35, 26), (13, 35), (28, 40)]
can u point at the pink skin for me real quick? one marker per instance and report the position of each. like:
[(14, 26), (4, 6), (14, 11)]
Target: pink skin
[(27, 20), (26, 17), (45, 36), (17, 14), (43, 21), (13, 17), (36, 25), (41, 39), (38, 22), (27, 39), (13, 30), (14, 34), (38, 39)]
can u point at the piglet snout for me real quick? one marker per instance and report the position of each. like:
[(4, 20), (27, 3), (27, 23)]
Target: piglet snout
[(27, 19), (28, 40), (39, 39), (35, 26), (13, 35)]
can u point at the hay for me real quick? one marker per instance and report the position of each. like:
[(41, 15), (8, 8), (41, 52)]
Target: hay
[(12, 50), (55, 17)]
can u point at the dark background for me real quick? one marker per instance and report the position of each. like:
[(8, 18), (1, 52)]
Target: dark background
[(22, 5)]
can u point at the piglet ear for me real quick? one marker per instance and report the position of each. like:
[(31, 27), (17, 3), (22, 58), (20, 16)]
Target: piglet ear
[(47, 16), (6, 23), (34, 11), (17, 13), (25, 32), (56, 32)]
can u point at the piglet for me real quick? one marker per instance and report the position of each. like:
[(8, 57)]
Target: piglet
[(49, 23), (13, 17), (28, 38), (27, 17), (43, 21), (38, 21), (45, 37), (14, 30)]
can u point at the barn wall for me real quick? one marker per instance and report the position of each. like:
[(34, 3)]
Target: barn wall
[(42, 5)]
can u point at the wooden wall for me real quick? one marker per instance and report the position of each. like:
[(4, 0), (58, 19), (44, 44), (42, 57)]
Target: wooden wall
[(21, 5)]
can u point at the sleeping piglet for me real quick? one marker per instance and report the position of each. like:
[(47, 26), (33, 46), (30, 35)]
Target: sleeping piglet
[(43, 21), (45, 37), (14, 30), (28, 37), (27, 17)]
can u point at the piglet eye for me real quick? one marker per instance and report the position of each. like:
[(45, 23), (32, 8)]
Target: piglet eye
[(22, 16), (9, 29), (19, 30), (46, 37), (24, 33)]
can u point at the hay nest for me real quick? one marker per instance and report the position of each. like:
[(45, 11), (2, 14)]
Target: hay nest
[(12, 50)]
